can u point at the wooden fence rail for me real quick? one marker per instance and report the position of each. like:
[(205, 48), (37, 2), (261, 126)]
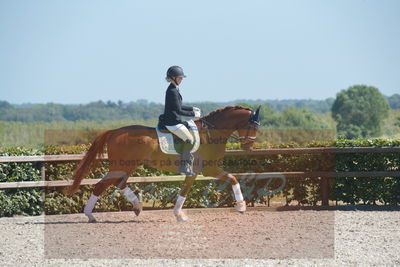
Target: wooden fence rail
[(272, 151), (325, 176)]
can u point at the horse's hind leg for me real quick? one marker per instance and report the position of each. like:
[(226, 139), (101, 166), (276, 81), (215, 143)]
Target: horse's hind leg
[(131, 196), (180, 216), (117, 178)]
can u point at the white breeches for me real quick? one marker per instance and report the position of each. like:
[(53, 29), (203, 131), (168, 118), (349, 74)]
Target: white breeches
[(181, 131)]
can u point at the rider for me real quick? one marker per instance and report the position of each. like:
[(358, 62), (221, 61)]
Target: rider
[(173, 111)]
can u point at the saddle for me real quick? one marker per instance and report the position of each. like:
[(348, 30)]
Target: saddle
[(172, 144)]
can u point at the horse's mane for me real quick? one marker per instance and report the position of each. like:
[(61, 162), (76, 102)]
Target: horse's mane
[(220, 110)]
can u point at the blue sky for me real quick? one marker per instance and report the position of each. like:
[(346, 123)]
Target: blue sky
[(82, 51)]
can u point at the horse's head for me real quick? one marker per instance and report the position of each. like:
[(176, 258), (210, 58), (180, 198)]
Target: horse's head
[(247, 130), (237, 118)]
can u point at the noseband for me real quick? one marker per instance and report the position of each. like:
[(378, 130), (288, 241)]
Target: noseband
[(242, 139), (247, 138)]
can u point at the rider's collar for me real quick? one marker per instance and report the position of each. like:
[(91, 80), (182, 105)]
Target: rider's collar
[(172, 85)]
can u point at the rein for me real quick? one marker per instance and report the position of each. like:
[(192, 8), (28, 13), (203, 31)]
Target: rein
[(208, 125)]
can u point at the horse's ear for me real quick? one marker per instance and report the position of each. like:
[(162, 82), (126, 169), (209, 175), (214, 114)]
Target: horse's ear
[(255, 116)]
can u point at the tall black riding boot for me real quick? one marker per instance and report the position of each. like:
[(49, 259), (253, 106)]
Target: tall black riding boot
[(187, 163)]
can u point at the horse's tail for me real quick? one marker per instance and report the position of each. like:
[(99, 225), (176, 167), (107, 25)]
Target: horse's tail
[(88, 161)]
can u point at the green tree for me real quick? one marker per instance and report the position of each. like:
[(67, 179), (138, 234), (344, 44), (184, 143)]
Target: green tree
[(394, 101), (359, 111)]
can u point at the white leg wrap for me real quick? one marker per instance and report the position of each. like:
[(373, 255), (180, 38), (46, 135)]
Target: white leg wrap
[(90, 205), (130, 195), (179, 204), (237, 192)]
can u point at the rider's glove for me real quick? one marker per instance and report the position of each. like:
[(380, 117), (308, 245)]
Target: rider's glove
[(197, 112)]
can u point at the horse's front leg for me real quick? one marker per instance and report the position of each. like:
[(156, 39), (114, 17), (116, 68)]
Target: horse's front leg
[(179, 214), (228, 177)]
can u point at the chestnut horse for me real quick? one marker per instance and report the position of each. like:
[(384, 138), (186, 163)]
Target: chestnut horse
[(132, 146)]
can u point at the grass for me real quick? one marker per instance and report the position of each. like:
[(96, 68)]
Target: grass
[(33, 134)]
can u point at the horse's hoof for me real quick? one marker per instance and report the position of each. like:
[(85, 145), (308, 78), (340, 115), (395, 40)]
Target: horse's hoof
[(181, 217), (241, 206), (137, 208), (92, 219)]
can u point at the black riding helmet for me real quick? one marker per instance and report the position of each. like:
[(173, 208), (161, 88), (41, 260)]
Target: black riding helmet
[(175, 71)]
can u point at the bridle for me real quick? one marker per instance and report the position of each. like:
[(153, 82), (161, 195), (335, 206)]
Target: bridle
[(252, 122), (247, 138)]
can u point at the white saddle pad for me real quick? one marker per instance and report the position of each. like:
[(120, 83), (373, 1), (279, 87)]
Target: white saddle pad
[(166, 140)]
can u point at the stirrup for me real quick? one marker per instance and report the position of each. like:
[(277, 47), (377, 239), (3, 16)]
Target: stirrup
[(187, 172)]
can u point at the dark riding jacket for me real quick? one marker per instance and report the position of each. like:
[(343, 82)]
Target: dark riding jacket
[(174, 109)]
